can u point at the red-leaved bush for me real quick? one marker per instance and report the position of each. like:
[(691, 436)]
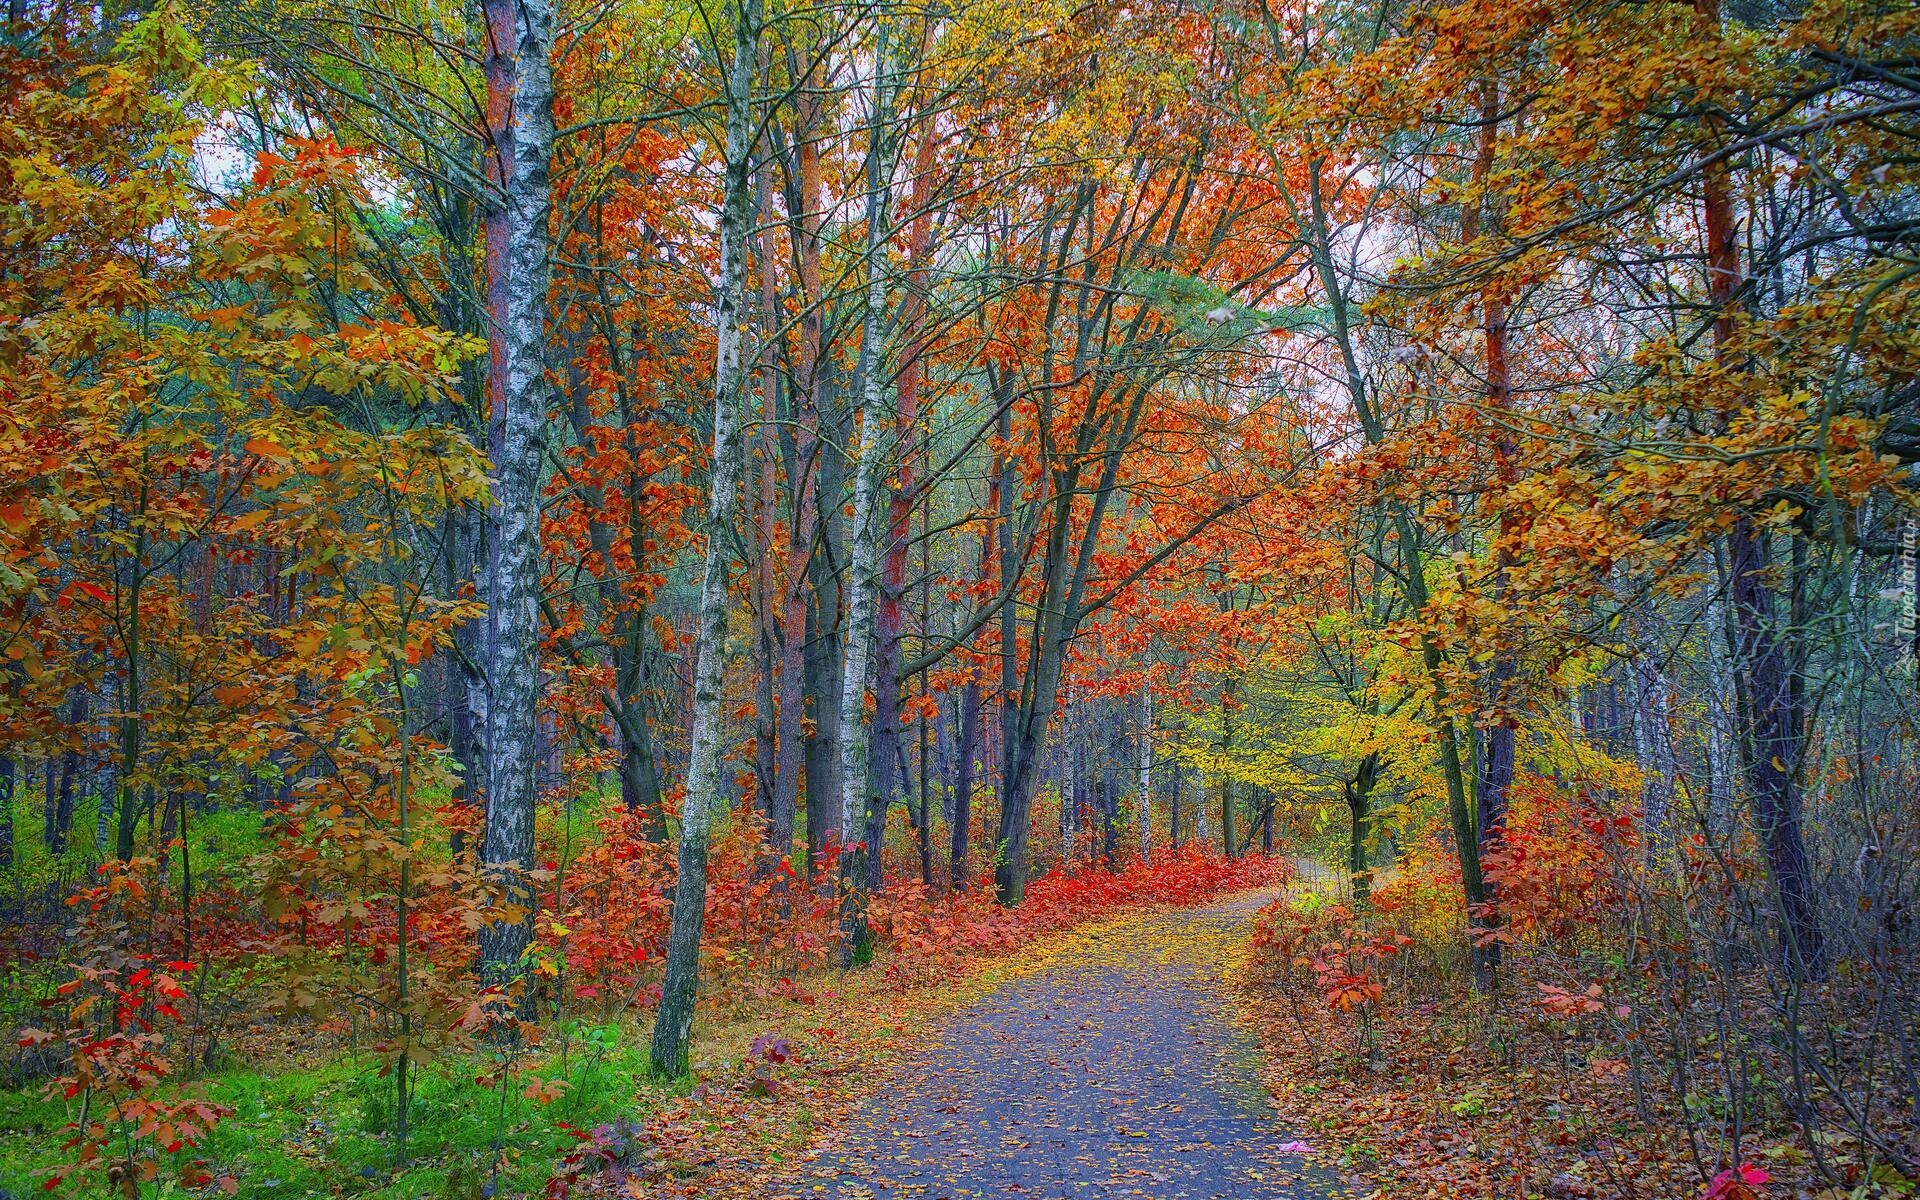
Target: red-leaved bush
[(923, 936)]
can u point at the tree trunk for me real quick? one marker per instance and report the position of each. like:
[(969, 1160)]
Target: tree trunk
[(1001, 531), (889, 620), (1010, 827), (1495, 780), (1773, 714), (769, 604), (824, 668), (48, 790), (1202, 835), (962, 825), (1173, 803), (60, 824), (1107, 808), (790, 708), (513, 592), (9, 778), (1227, 843), (1412, 568), (639, 771), (130, 700), (623, 615), (640, 789), (1774, 723), (103, 825), (923, 820), (673, 1026), (1460, 812), (796, 667), (1720, 752), (1064, 572), (1145, 805), (466, 672), (1072, 786), (1359, 792), (766, 643), (864, 776), (1653, 732)]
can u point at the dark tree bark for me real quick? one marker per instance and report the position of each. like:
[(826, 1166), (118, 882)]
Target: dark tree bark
[(9, 779), (766, 651), (968, 750), (1774, 740), (825, 668), (1653, 733), (799, 663), (1228, 846), (1496, 762), (1009, 811), (962, 830), (132, 727), (1773, 713), (1411, 565), (49, 787), (466, 670), (1359, 796), (889, 620), (60, 800)]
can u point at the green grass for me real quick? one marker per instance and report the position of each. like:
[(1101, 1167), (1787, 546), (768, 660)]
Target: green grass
[(324, 1128), (218, 841), (307, 1131), (219, 845)]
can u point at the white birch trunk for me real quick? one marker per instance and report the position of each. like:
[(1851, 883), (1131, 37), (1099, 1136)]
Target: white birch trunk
[(1146, 771), (673, 1027), (1720, 714), (863, 559), (1069, 785), (513, 592)]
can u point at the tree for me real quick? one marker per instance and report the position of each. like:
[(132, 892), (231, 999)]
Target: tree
[(673, 1026), (520, 103)]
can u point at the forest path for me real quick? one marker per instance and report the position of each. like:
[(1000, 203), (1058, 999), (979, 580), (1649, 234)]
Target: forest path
[(1107, 1065)]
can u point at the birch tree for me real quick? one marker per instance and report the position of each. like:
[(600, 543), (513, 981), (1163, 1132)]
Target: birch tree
[(1146, 768), (856, 766), (520, 82), (673, 1027)]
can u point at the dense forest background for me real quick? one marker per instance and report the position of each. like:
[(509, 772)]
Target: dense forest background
[(523, 525)]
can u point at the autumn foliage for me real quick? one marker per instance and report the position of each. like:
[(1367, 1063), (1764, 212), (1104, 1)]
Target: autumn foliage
[(539, 538)]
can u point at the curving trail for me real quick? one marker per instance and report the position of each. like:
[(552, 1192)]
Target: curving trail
[(1108, 1066)]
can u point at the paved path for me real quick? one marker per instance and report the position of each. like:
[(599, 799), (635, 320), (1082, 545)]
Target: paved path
[(1111, 1067)]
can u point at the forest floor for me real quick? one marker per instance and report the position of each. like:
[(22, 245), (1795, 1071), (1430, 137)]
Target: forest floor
[(572, 1112), (1436, 1092), (1106, 1063)]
